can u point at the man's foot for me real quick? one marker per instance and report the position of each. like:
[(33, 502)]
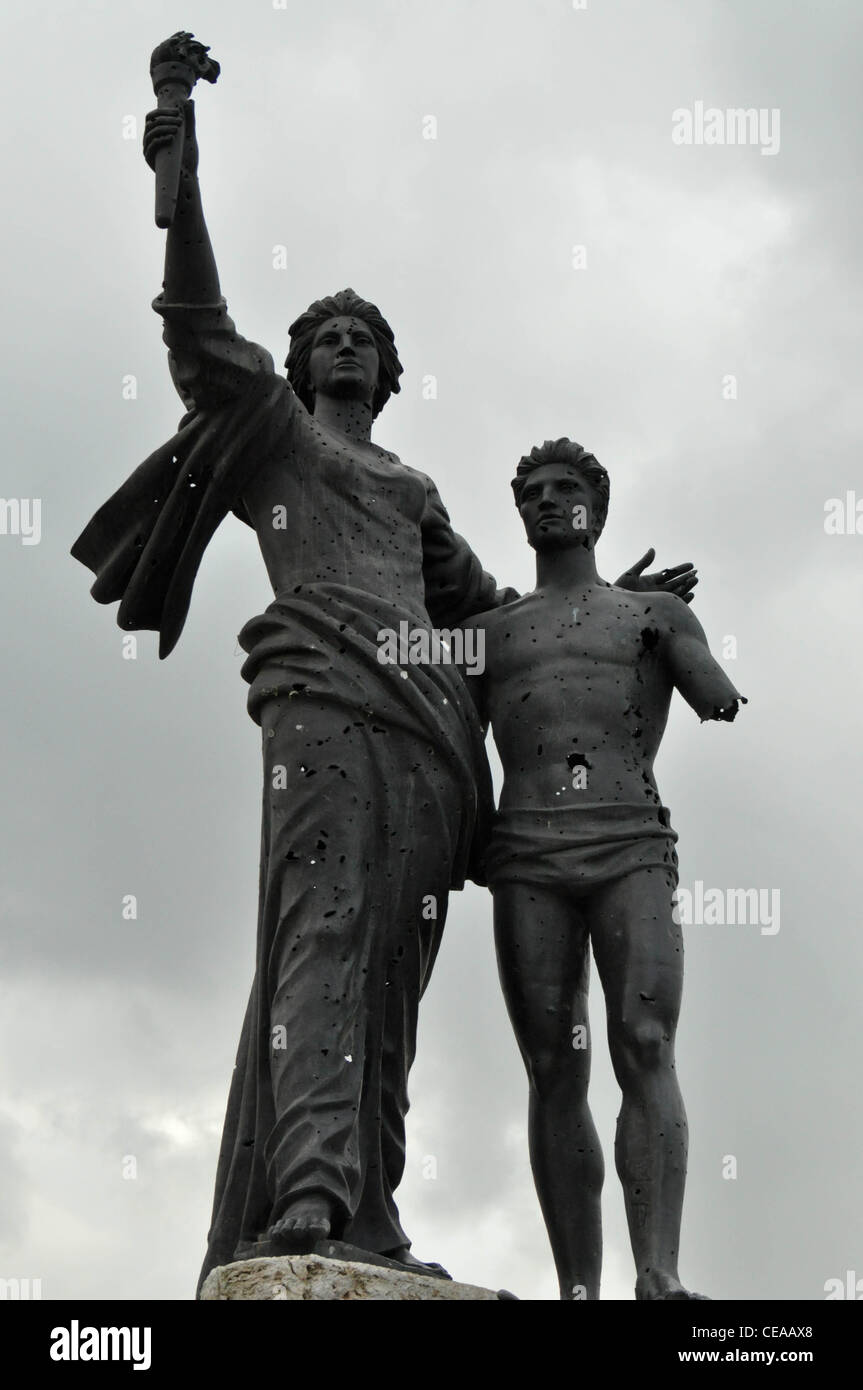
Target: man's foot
[(403, 1254), (306, 1221), (658, 1287)]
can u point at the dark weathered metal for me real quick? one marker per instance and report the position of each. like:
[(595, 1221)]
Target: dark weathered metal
[(175, 67)]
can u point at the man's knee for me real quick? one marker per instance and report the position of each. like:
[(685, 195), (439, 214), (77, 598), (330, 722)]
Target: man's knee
[(555, 1069), (641, 1046)]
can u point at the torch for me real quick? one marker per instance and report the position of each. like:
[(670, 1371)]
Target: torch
[(175, 67)]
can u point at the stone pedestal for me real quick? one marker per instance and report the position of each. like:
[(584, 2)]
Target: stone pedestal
[(283, 1278)]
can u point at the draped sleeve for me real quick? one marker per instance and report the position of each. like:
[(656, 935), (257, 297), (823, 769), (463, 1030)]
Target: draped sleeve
[(457, 587), (210, 362), (146, 542)]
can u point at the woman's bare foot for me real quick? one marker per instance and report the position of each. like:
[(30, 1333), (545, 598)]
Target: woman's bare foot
[(305, 1222)]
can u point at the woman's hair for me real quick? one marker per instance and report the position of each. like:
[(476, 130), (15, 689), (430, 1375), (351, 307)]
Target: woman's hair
[(567, 451), (303, 332)]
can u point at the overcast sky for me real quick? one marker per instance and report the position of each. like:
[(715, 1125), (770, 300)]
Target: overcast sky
[(701, 264)]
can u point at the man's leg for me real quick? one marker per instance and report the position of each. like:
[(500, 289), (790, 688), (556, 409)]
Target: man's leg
[(543, 958), (639, 955)]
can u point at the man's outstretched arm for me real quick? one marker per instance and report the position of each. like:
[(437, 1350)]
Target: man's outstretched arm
[(695, 671)]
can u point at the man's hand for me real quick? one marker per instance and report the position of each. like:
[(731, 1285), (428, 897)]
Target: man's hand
[(681, 580), (160, 126)]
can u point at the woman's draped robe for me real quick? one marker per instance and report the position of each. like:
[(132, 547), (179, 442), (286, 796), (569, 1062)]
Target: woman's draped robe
[(376, 785)]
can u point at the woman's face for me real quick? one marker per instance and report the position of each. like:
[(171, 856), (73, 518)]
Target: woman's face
[(344, 360)]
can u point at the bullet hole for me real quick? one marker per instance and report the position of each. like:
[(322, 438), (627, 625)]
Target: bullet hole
[(577, 760), (649, 638)]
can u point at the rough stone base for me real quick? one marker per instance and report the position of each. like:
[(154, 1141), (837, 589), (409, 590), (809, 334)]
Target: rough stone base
[(282, 1278)]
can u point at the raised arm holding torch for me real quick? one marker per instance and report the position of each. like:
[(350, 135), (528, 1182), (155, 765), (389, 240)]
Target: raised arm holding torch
[(175, 67)]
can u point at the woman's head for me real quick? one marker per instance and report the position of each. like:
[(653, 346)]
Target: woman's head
[(306, 328)]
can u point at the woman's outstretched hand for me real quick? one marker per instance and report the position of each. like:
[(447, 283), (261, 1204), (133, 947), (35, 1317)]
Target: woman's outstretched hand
[(680, 580)]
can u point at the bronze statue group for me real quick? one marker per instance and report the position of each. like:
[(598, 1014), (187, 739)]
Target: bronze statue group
[(377, 797)]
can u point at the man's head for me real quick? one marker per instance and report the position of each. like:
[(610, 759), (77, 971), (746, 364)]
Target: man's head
[(561, 491), (344, 347)]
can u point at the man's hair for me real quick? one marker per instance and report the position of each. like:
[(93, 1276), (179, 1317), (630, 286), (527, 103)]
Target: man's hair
[(587, 464), (303, 331)]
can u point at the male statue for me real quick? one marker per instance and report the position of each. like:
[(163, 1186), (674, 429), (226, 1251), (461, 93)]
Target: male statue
[(577, 685)]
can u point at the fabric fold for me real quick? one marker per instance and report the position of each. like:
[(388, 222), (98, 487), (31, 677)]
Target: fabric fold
[(146, 542), (579, 847)]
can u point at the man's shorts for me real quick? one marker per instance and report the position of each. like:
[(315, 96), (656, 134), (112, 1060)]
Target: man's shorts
[(582, 847)]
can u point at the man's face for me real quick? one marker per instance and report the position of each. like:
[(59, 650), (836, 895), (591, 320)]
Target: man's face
[(557, 507), (344, 360)]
